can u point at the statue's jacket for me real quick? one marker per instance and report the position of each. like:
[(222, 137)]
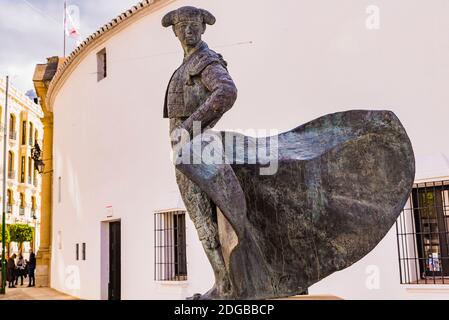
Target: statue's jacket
[(201, 89)]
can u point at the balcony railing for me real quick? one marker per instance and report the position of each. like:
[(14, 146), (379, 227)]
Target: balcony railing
[(33, 214), (30, 180), (22, 211), (9, 208), (35, 182), (11, 175), (13, 135), (30, 142)]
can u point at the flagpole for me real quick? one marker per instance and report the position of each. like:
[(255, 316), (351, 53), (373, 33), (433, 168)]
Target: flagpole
[(65, 23), (5, 132)]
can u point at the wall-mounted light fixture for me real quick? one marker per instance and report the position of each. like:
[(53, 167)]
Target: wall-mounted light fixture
[(36, 155)]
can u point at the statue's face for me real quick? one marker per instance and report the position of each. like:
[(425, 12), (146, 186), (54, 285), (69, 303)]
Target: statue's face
[(189, 32)]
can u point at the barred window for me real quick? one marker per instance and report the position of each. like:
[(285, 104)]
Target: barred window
[(423, 235), (170, 246)]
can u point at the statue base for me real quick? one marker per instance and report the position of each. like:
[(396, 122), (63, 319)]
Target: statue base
[(311, 297)]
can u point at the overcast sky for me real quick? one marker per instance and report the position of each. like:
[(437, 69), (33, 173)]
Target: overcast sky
[(32, 30)]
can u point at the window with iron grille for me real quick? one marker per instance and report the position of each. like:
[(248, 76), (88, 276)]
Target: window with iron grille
[(170, 246), (423, 235)]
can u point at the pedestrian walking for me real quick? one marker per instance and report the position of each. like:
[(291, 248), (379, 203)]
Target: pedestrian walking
[(31, 269), (11, 270), (20, 270)]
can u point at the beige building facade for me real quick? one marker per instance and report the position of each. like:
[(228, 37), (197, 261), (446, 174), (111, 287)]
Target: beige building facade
[(24, 129)]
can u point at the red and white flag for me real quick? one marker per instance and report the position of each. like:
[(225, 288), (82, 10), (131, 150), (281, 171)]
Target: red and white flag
[(72, 23)]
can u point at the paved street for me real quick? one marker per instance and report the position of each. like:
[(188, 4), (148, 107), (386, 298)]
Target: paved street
[(34, 293)]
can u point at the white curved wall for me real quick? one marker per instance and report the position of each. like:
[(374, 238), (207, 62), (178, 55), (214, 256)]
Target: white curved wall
[(292, 62)]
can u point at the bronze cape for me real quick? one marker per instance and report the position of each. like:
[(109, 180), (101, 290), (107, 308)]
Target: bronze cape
[(342, 181)]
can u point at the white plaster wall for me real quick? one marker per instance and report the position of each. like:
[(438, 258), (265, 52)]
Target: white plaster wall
[(292, 63)]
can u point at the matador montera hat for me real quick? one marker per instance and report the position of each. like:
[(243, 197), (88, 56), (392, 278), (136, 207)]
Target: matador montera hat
[(188, 14)]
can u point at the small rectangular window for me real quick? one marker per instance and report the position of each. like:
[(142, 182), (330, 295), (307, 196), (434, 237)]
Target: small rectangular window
[(30, 170), (22, 170), (59, 240), (59, 190), (77, 251), (24, 132), (84, 251), (30, 135), (170, 246), (101, 65)]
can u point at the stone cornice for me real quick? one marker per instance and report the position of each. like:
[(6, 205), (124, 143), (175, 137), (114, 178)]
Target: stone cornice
[(20, 98)]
